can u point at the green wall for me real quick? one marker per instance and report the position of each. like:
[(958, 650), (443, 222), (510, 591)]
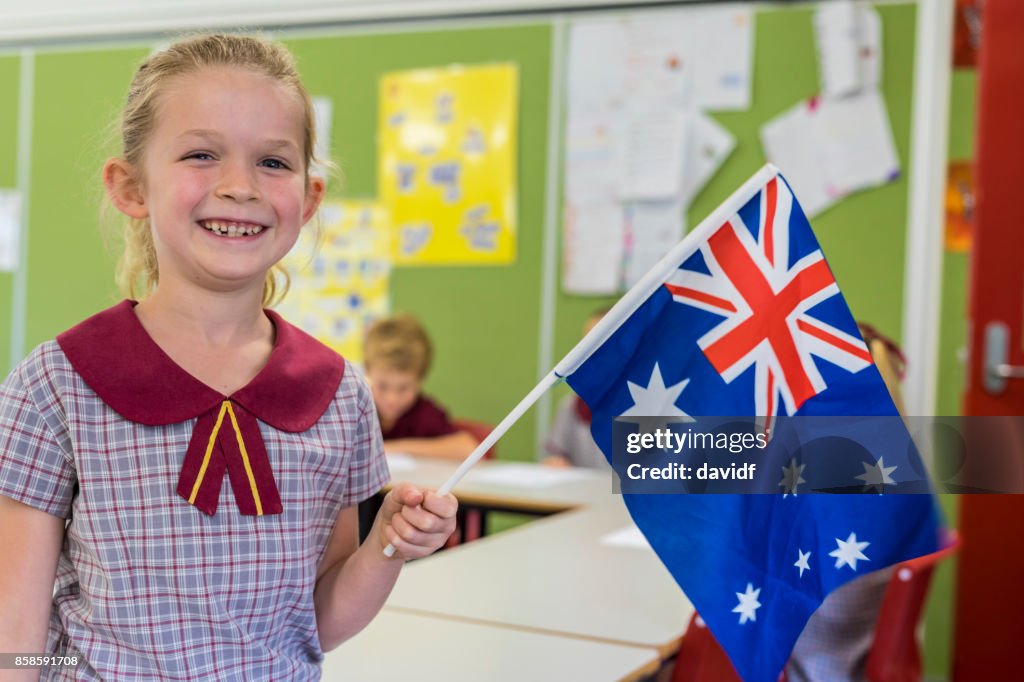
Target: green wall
[(485, 321), (9, 80)]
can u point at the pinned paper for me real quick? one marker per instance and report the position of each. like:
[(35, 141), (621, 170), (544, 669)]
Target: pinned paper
[(339, 287), (659, 72), (848, 35), (708, 145), (322, 120), (10, 229), (828, 148), (960, 206), (597, 65), (655, 148), (593, 249), (447, 144), (652, 229), (594, 158), (722, 47)]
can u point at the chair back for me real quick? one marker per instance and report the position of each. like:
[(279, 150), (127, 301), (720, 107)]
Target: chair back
[(701, 658), (895, 654), (478, 430)]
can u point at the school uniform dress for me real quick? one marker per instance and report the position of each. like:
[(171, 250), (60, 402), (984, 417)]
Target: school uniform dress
[(196, 521)]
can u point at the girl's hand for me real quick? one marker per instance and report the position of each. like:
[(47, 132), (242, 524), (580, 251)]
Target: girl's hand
[(417, 521)]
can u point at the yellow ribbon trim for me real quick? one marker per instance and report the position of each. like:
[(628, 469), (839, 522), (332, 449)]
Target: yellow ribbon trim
[(226, 407), (209, 450), (245, 461)]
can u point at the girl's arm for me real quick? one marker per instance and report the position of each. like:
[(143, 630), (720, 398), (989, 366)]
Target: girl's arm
[(456, 445), (352, 584), (31, 541)]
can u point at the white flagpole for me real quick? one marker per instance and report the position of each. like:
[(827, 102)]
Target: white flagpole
[(616, 316)]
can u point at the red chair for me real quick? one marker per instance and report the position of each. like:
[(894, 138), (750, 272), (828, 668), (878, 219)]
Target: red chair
[(700, 658), (895, 654), (472, 520)]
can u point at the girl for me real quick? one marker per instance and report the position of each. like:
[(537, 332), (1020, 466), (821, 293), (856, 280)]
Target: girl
[(208, 456)]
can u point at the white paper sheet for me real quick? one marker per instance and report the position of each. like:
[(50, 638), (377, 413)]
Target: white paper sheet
[(722, 39), (594, 158), (10, 229), (592, 249), (856, 142), (629, 537), (835, 33), (658, 73), (655, 148), (869, 26), (526, 475), (827, 148), (708, 146), (790, 143), (399, 461), (653, 228), (848, 36), (597, 65)]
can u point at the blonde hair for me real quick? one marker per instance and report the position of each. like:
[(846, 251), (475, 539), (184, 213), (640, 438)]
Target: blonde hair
[(399, 342), (138, 271)]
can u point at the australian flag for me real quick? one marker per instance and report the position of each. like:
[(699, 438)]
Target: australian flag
[(745, 318)]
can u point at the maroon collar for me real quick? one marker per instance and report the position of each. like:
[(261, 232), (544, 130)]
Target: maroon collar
[(127, 369)]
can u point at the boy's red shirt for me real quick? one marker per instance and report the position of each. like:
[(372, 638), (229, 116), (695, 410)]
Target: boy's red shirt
[(424, 419)]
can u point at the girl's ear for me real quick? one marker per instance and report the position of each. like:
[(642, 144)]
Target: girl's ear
[(119, 178), (314, 195)]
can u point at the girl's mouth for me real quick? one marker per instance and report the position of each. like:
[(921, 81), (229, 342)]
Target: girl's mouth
[(227, 228)]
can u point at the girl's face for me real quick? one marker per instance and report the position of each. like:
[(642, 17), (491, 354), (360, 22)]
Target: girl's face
[(224, 178)]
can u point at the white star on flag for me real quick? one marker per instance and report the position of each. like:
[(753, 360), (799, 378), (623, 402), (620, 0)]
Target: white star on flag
[(748, 605), (656, 399), (849, 552), (801, 563), (792, 477), (876, 475)]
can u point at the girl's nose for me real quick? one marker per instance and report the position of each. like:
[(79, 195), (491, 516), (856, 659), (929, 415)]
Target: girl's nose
[(237, 183)]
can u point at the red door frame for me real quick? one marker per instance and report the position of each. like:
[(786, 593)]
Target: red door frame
[(989, 629)]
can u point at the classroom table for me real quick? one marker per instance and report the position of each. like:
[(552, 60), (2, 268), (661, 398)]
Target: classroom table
[(408, 646), (554, 575), (527, 488)]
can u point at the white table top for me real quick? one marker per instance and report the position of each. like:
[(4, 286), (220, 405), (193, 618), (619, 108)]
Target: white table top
[(554, 575), (404, 646), (517, 486)]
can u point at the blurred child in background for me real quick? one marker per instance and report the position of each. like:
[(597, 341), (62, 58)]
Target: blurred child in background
[(570, 443), (397, 355)]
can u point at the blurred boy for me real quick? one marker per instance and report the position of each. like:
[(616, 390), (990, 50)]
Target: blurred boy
[(397, 356)]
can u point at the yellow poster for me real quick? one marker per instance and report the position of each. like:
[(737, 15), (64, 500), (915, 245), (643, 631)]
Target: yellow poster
[(447, 171), (339, 286)]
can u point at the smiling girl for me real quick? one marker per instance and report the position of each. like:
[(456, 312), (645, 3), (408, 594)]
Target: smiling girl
[(188, 467)]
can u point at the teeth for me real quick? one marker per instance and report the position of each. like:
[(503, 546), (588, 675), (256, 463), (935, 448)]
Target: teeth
[(226, 229)]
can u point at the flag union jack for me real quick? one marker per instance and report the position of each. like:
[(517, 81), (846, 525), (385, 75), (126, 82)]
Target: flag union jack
[(765, 300)]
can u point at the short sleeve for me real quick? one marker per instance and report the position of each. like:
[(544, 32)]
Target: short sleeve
[(35, 469), (368, 467)]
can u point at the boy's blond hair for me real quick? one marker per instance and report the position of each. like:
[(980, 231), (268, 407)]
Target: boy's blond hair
[(137, 271), (400, 343)]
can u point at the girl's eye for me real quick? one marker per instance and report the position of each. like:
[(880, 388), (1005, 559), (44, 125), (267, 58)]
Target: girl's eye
[(274, 163), (199, 156)]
